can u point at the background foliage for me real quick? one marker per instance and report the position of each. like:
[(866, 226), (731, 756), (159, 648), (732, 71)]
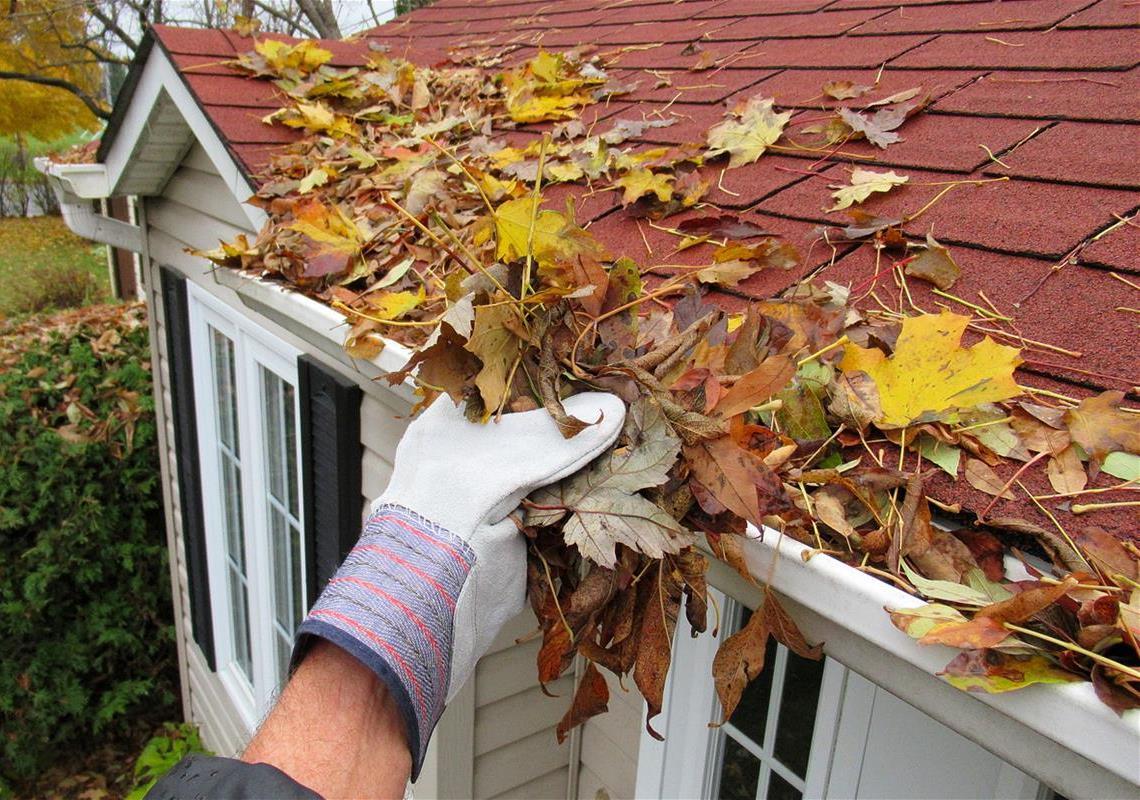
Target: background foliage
[(85, 612), (46, 266)]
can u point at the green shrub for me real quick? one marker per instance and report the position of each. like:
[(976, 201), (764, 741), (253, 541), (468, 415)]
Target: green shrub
[(85, 615), (162, 752)]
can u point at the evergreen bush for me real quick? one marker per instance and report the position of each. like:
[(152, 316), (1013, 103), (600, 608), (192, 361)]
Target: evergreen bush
[(85, 614)]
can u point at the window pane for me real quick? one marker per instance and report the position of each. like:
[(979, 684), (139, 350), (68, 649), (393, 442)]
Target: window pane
[(802, 679), (239, 612), (284, 648), (225, 383), (751, 715), (297, 579), (274, 433), (282, 596), (231, 500), (739, 772), (290, 418), (780, 789)]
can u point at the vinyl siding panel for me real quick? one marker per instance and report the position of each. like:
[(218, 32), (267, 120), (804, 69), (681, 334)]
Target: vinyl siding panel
[(516, 751), (609, 746)]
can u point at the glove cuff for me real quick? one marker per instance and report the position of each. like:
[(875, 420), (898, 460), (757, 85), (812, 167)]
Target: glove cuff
[(391, 605)]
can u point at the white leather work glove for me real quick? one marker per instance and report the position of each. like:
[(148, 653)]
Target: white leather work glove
[(440, 567)]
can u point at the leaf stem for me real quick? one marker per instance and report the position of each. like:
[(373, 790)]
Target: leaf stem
[(842, 340), (1076, 648)]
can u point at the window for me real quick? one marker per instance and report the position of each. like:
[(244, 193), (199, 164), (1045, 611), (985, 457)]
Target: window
[(802, 730), (248, 419), (778, 742), (763, 750)]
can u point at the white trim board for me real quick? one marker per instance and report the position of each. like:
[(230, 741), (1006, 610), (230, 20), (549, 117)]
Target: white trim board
[(160, 79)]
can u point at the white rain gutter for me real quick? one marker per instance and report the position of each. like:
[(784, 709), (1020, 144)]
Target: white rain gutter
[(1061, 734), (76, 186)]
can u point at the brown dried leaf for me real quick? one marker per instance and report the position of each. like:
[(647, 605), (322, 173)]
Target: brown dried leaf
[(757, 386), (1066, 472), (984, 479), (738, 661), (591, 698)]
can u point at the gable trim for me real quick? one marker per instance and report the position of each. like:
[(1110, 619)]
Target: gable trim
[(159, 83)]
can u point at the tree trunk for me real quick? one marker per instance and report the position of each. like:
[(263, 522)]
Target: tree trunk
[(320, 14)]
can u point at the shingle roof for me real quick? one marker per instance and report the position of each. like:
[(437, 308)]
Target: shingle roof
[(1046, 92)]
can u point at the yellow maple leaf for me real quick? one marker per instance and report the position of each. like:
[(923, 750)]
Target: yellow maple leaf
[(393, 305), (930, 373), (746, 138), (513, 229), (497, 348), (641, 182), (305, 56), (864, 183)]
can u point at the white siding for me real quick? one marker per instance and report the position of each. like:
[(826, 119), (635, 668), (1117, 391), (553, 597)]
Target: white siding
[(608, 762), (516, 751)]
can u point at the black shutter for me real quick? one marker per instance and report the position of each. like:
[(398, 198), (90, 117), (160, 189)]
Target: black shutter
[(186, 455), (330, 468)]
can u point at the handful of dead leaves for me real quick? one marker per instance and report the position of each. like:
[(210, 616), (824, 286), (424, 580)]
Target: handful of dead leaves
[(803, 415)]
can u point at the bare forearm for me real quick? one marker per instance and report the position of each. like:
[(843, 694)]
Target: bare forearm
[(336, 730)]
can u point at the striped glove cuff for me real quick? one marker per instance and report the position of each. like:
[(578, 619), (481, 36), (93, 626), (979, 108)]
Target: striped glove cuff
[(392, 606)]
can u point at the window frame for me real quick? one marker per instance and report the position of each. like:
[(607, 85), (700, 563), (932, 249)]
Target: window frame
[(254, 349)]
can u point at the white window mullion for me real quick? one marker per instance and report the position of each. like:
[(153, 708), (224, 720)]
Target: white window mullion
[(256, 539)]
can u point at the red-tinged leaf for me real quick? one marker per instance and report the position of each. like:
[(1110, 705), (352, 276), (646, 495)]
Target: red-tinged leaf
[(757, 386), (975, 634), (784, 629), (591, 698), (921, 620), (555, 654), (743, 483), (994, 671), (1102, 610), (1105, 552), (987, 550), (721, 226), (1027, 602), (1111, 693), (729, 548), (738, 661)]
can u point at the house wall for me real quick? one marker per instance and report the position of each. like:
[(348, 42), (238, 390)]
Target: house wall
[(509, 726)]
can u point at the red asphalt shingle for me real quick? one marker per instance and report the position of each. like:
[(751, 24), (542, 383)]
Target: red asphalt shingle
[(1054, 49), (1078, 152), (1104, 96), (991, 17)]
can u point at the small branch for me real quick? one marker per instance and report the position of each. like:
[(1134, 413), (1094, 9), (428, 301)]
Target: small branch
[(59, 83)]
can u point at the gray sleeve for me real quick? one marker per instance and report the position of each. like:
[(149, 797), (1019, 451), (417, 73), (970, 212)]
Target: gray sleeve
[(199, 777)]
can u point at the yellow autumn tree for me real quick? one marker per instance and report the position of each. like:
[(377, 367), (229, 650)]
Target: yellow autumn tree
[(46, 89)]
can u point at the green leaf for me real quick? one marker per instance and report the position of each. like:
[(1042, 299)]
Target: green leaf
[(945, 456), (1125, 466), (945, 590)]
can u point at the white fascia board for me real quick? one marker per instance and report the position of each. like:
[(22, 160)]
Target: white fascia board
[(1068, 714), (160, 76)]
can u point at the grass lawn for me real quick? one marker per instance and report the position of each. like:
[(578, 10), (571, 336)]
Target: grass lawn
[(44, 265)]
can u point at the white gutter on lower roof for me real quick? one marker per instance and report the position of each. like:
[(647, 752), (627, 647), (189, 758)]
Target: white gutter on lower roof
[(76, 186), (1061, 734)]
